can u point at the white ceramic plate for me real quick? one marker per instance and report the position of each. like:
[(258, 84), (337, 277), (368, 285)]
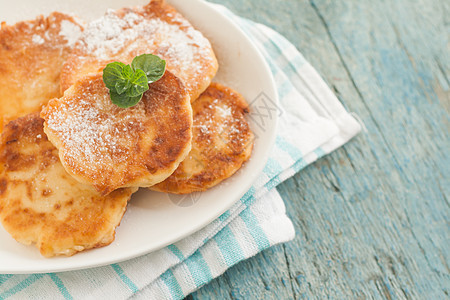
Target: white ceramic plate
[(154, 220)]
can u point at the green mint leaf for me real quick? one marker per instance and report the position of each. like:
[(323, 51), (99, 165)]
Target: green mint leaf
[(153, 66), (124, 101), (112, 73), (127, 83), (127, 72), (139, 84), (122, 86)]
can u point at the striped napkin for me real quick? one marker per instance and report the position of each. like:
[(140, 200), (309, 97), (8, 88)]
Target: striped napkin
[(313, 123)]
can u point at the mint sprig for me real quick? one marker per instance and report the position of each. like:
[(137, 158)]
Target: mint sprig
[(127, 83)]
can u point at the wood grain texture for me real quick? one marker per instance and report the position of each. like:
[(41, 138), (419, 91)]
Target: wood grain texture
[(372, 217)]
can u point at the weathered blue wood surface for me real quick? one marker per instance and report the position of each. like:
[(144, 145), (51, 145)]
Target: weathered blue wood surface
[(371, 218)]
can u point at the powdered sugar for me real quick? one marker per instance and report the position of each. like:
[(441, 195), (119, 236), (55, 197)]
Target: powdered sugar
[(224, 112), (185, 48), (92, 131), (70, 32), (218, 119), (111, 33), (106, 35), (203, 128), (37, 39), (67, 29)]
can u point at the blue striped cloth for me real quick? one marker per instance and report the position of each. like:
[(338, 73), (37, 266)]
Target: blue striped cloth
[(313, 123)]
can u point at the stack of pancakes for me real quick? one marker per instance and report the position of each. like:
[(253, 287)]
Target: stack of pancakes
[(70, 159)]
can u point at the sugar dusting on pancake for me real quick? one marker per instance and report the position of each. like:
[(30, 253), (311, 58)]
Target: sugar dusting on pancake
[(222, 142), (110, 147), (41, 203), (158, 29), (93, 128)]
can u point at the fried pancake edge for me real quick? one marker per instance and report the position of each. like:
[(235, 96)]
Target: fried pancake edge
[(43, 205), (218, 151)]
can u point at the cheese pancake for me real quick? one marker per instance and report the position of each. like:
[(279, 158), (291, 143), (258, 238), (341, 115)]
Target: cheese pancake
[(31, 57), (222, 142), (110, 147), (40, 203), (156, 28)]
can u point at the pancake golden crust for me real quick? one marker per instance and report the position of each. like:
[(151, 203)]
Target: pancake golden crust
[(31, 57), (40, 203), (111, 147), (222, 142), (156, 28)]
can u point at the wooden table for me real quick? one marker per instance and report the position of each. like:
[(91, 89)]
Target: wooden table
[(371, 218)]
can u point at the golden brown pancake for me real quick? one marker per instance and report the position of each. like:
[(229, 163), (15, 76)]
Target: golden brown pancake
[(222, 142), (31, 57), (111, 147), (40, 203), (156, 28)]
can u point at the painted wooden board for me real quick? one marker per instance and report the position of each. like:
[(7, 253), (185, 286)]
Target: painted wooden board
[(372, 219)]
